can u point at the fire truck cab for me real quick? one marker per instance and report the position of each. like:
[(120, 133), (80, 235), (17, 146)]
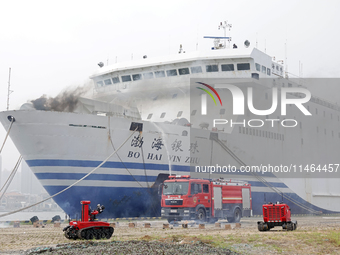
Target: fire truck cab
[(205, 200)]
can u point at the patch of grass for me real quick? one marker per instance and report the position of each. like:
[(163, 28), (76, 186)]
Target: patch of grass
[(277, 248), (320, 238), (334, 237), (253, 238)]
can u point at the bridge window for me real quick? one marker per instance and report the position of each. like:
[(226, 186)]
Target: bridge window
[(159, 74), (264, 69), (100, 84), (163, 115), (268, 71), (258, 67), (148, 75), (126, 78), (243, 66), (196, 69), (227, 67), (183, 71), (179, 114), (211, 68), (115, 79), (193, 112), (149, 116), (108, 82), (136, 77), (172, 72)]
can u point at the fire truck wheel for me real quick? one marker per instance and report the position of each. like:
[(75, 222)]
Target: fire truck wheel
[(201, 214), (237, 215)]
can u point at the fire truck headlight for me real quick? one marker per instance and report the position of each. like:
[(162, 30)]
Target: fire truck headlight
[(162, 211), (186, 211)]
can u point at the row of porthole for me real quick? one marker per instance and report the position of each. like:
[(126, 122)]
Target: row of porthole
[(179, 114), (173, 72)]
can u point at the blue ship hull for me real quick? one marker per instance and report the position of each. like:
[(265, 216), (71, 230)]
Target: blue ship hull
[(145, 202)]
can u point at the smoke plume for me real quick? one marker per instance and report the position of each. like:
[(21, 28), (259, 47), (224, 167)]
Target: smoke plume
[(66, 101)]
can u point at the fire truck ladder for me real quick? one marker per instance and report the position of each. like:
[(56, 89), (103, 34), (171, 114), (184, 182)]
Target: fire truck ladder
[(214, 137)]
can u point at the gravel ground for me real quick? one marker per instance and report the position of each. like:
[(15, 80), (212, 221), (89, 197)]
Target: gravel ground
[(130, 247), (314, 235)]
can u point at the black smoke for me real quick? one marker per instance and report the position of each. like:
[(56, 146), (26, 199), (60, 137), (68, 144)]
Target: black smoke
[(66, 101)]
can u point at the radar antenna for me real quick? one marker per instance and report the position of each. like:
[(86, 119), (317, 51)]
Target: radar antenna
[(224, 25)]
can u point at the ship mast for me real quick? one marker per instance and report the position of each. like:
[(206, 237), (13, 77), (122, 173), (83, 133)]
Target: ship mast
[(225, 25), (9, 86)]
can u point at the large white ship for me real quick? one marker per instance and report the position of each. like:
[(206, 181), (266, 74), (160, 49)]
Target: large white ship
[(156, 96)]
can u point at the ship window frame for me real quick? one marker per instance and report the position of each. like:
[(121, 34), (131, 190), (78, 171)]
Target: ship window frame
[(243, 66), (264, 69), (148, 75), (268, 72), (159, 74), (107, 82), (258, 67), (171, 72), (124, 78), (226, 67), (193, 112), (134, 76), (149, 116), (100, 83), (115, 79), (222, 111), (185, 69), (179, 114), (196, 69), (162, 115), (211, 68)]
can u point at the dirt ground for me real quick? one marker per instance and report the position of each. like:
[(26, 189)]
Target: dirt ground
[(314, 235)]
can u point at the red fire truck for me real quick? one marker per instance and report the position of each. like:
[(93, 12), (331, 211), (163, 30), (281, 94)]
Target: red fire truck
[(184, 198)]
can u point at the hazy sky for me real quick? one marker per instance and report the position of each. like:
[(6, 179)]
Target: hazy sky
[(51, 45)]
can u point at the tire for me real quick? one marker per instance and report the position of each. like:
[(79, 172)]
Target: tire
[(201, 216), (290, 226), (236, 216), (260, 226)]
